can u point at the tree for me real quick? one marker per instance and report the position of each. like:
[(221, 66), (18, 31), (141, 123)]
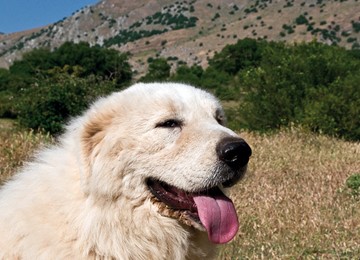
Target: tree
[(190, 75), (33, 63), (79, 59), (159, 70), (49, 103), (335, 109), (314, 85), (233, 58), (4, 78), (95, 60)]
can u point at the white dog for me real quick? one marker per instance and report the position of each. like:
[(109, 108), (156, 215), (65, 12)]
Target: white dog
[(140, 175)]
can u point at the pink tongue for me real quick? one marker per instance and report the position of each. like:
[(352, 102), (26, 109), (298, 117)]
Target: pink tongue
[(217, 214)]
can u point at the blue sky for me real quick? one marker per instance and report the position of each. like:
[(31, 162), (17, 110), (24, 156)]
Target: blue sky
[(19, 15)]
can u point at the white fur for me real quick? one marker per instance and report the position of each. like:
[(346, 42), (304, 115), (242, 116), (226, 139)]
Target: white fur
[(85, 198)]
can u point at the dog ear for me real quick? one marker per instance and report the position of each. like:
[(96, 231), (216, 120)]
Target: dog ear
[(93, 133), (99, 144)]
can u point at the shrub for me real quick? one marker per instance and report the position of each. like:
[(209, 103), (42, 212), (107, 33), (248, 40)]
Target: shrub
[(216, 16), (288, 28), (4, 78), (159, 70), (353, 183), (356, 26), (301, 20), (334, 109), (315, 85), (309, 28), (48, 104), (7, 109), (245, 53), (351, 39), (355, 46), (190, 75), (345, 33), (107, 63)]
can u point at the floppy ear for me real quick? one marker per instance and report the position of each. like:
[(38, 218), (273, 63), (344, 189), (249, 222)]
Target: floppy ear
[(92, 133)]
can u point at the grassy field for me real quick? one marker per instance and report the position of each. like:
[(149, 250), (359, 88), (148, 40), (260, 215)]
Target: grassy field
[(293, 204), (17, 146)]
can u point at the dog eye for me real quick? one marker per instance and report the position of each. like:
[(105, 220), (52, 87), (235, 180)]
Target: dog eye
[(171, 123), (220, 117)]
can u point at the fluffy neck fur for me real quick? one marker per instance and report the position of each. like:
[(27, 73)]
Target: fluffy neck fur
[(138, 225)]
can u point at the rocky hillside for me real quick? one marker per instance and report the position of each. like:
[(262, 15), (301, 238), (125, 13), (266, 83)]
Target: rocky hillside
[(191, 31)]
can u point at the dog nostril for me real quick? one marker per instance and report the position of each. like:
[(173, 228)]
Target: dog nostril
[(235, 152)]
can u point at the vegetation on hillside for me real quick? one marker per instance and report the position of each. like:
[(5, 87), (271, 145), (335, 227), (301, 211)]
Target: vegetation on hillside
[(44, 89), (172, 17), (271, 85), (276, 85), (332, 22)]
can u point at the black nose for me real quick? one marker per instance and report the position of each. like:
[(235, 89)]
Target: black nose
[(235, 152)]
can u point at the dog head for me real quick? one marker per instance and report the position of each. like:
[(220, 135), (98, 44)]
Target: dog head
[(167, 143)]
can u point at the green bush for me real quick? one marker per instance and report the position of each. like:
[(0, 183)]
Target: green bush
[(301, 19), (309, 84), (191, 75), (335, 109), (7, 109), (216, 16), (41, 88), (48, 104), (277, 85), (353, 183), (106, 63), (356, 26), (4, 78), (233, 58), (351, 39), (159, 70), (10, 87), (274, 90)]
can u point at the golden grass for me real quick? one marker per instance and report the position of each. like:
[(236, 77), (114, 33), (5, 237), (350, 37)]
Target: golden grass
[(293, 204), (17, 147)]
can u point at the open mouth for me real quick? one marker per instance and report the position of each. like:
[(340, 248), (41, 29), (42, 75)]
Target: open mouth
[(208, 210)]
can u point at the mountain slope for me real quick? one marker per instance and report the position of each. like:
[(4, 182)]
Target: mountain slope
[(191, 31)]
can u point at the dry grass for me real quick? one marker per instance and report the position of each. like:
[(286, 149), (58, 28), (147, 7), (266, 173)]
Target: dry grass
[(16, 147), (293, 204)]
